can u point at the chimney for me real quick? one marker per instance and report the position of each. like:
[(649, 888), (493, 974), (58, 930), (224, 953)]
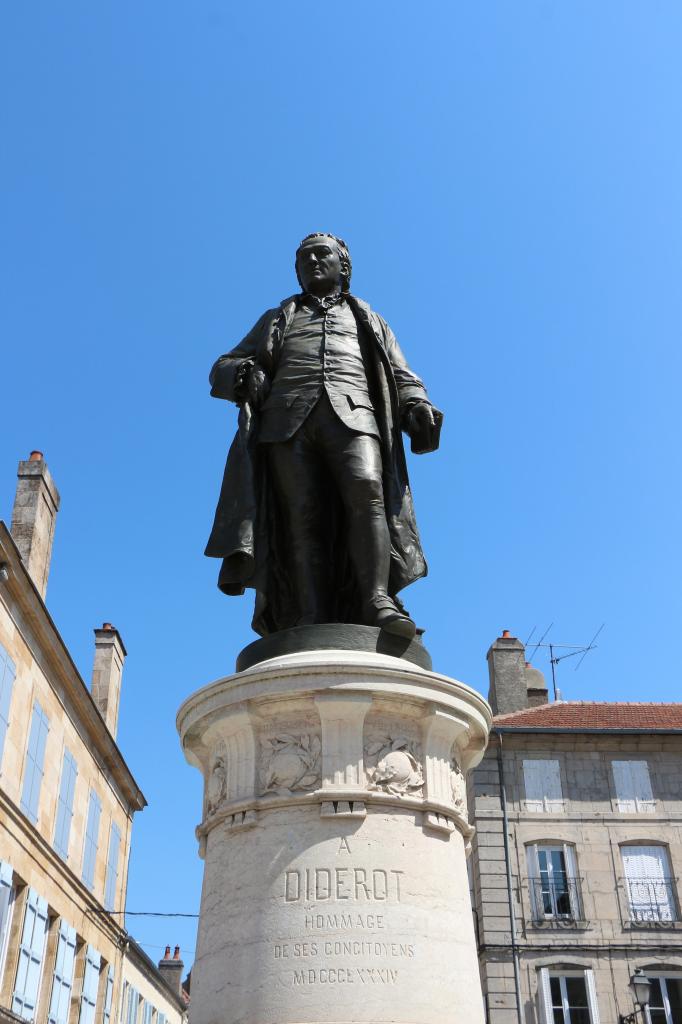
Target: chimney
[(171, 969), (514, 683), (33, 518), (107, 672), (536, 686)]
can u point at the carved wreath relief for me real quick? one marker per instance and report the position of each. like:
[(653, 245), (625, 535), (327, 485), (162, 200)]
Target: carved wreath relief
[(290, 764), (391, 766)]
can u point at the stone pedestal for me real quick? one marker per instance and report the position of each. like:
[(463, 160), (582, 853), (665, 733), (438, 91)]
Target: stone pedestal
[(335, 835)]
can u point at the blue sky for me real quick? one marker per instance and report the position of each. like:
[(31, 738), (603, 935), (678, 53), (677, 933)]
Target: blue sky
[(508, 179)]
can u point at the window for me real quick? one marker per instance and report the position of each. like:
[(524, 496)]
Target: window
[(648, 883), (665, 1003), (35, 757), (6, 907), (112, 867), (90, 986), (31, 953), (8, 674), (542, 781), (67, 788), (553, 882), (568, 997), (147, 1011), (133, 1003), (62, 982), (123, 1001), (108, 996), (91, 840), (633, 787)]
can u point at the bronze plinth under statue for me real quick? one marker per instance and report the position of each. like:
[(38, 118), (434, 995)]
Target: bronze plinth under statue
[(315, 511)]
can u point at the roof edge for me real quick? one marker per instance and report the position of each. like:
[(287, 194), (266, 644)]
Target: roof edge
[(23, 590)]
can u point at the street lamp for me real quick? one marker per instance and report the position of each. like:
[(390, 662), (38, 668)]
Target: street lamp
[(641, 990)]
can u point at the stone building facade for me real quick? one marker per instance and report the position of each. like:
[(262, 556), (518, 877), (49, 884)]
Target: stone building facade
[(67, 800), (577, 858)]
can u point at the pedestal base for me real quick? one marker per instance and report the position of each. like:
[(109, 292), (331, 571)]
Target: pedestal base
[(334, 836)]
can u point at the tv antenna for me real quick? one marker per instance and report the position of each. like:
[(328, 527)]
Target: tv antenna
[(572, 650)]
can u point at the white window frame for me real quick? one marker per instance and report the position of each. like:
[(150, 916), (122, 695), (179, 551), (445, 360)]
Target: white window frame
[(545, 993), (663, 978), (90, 988), (534, 877), (625, 780), (67, 790), (147, 1011), (543, 804), (62, 978), (31, 956), (7, 897), (8, 673), (34, 763)]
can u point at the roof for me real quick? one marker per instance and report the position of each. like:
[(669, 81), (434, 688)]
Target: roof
[(21, 596), (593, 716)]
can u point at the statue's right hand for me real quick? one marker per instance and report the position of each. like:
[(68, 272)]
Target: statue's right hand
[(258, 386)]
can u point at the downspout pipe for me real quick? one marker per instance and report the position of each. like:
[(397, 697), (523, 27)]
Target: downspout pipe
[(510, 891)]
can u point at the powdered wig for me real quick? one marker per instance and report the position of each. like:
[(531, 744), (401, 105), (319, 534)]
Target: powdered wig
[(344, 256)]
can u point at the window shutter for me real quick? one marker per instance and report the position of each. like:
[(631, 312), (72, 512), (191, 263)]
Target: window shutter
[(574, 894), (35, 757), (60, 1001), (108, 996), (8, 674), (532, 779), (124, 993), (644, 798), (624, 783), (6, 905), (90, 986), (533, 880), (31, 952), (67, 789), (112, 867), (592, 997), (545, 997), (554, 797), (91, 840)]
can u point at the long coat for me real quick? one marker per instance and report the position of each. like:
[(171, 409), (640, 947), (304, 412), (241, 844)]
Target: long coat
[(248, 531)]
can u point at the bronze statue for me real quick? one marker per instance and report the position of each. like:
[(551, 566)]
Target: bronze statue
[(315, 511)]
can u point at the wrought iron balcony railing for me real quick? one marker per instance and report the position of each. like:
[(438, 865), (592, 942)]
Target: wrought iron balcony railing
[(556, 900), (652, 900)]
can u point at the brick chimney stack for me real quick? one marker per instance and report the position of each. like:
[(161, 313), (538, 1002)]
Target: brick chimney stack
[(33, 518), (514, 683), (107, 672), (171, 969)]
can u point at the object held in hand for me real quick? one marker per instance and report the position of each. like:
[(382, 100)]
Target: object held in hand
[(424, 429)]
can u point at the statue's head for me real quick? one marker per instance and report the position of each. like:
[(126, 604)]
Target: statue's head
[(322, 263)]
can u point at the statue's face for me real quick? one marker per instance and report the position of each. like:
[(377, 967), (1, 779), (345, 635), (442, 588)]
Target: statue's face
[(319, 265)]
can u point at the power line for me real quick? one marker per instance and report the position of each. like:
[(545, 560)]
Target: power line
[(140, 913)]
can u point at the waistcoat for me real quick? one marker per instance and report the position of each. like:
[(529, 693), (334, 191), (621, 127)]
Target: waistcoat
[(320, 352)]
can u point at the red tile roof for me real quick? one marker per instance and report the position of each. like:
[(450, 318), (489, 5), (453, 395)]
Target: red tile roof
[(584, 715)]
